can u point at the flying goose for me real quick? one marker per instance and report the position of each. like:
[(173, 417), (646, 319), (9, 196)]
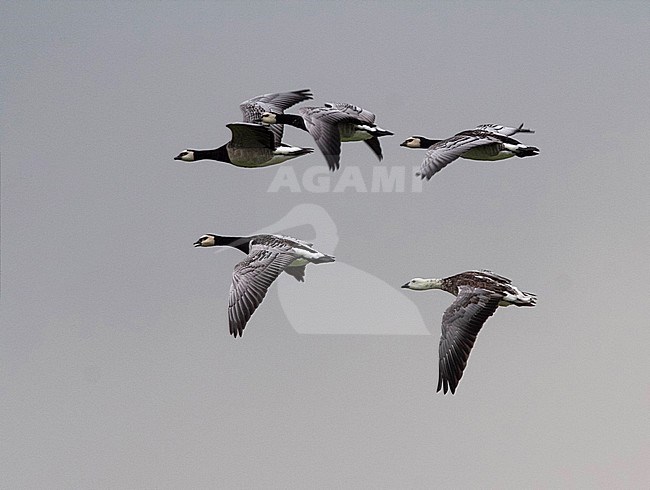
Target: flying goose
[(331, 124), (478, 295), (252, 145), (423, 142), (268, 256), (252, 109), (473, 144)]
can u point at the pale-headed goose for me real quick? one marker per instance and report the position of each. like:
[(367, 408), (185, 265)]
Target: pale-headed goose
[(268, 256), (472, 144), (252, 145), (478, 295), (331, 124)]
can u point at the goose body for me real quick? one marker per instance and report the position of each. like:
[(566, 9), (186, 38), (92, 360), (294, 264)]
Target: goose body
[(478, 295), (267, 257), (332, 124), (252, 109), (252, 145), (472, 144)]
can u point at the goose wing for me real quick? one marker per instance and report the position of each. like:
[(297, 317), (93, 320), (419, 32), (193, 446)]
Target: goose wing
[(375, 146), (250, 135), (251, 279), (441, 154), (461, 323), (354, 111), (252, 109), (322, 124), (503, 130)]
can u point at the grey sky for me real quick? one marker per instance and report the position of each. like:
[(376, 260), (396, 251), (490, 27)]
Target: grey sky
[(117, 369)]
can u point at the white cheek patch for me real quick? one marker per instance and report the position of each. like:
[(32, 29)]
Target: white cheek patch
[(188, 156)]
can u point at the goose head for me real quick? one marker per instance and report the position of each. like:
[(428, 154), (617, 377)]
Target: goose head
[(268, 118), (412, 142), (185, 155), (419, 284), (206, 241)]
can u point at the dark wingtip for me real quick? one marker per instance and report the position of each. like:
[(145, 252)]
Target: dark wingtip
[(236, 331), (306, 92)]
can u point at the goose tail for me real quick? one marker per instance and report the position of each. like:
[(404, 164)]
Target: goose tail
[(526, 151), (526, 299), (377, 132), (324, 259), (302, 151)]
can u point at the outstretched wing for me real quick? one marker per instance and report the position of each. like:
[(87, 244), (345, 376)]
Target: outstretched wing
[(375, 146), (446, 151), (252, 109), (250, 135), (461, 323), (251, 279)]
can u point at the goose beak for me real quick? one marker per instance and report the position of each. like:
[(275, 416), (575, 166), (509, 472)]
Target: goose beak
[(178, 157), (405, 286), (197, 243), (403, 143)]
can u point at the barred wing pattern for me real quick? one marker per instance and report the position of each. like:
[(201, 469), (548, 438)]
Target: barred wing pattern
[(253, 109), (503, 130), (461, 323), (251, 279), (352, 110)]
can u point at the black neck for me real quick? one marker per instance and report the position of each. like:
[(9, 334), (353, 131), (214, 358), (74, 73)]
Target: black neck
[(292, 120), (220, 154), (428, 142), (239, 242)]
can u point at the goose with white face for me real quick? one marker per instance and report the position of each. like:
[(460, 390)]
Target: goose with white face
[(488, 142), (478, 295), (267, 256), (186, 156)]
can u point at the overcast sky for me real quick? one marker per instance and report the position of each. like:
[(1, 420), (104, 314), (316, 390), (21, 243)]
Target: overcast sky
[(116, 366)]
